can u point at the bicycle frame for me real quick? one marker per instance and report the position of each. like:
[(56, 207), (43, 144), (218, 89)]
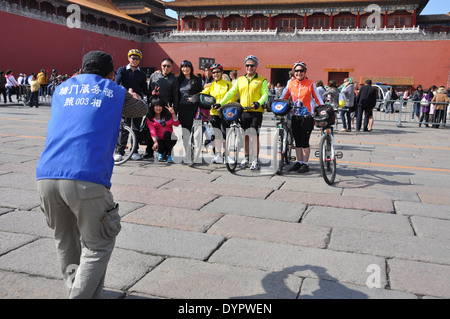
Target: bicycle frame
[(196, 138)]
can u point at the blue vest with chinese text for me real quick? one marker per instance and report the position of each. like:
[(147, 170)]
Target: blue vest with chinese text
[(83, 130)]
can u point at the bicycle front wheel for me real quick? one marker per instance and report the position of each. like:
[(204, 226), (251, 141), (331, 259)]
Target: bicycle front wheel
[(278, 151), (131, 144), (195, 142), (327, 159), (232, 149)]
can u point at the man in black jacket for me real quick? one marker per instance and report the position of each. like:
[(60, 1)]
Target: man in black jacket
[(134, 80), (366, 101), (165, 84)]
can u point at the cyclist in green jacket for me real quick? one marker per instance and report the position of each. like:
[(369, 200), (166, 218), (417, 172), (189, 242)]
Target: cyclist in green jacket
[(253, 91)]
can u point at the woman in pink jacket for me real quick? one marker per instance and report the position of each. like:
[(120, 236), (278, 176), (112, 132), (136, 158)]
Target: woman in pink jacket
[(160, 120)]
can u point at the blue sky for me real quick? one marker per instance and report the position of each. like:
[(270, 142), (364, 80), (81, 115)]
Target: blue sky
[(433, 7), (437, 7)]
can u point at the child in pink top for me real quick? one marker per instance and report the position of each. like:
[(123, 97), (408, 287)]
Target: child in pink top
[(160, 120)]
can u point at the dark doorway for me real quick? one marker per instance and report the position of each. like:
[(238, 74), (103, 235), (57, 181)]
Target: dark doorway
[(337, 76), (279, 76)]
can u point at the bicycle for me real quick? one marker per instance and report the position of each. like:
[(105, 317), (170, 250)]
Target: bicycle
[(130, 144), (325, 117), (201, 126), (283, 140), (231, 112)]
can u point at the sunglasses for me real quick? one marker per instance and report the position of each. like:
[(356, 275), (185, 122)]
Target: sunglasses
[(216, 72), (250, 65), (166, 66), (135, 58), (299, 70)]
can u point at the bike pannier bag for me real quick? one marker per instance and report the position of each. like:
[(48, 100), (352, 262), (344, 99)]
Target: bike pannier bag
[(280, 107), (324, 116), (230, 111)]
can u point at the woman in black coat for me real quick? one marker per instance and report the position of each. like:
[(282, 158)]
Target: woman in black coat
[(188, 85)]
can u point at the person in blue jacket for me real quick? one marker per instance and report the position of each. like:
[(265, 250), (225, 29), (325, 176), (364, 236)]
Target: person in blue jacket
[(75, 168)]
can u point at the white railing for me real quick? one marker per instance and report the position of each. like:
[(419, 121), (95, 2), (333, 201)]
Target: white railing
[(224, 32), (304, 31)]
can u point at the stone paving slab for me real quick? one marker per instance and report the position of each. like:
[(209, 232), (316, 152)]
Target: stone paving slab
[(324, 289), (187, 199), (431, 227), (358, 219), (28, 167), (167, 242), (183, 172), (173, 217), (19, 180), (420, 209), (382, 194), (256, 208), (333, 200), (12, 241), (391, 245), (247, 178), (117, 278), (18, 198), (219, 189), (420, 278), (43, 254), (24, 286), (271, 231), (138, 180), (26, 222), (435, 199), (294, 182), (184, 278), (301, 261)]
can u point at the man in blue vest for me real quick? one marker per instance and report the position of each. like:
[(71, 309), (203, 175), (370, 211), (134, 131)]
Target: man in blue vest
[(75, 168)]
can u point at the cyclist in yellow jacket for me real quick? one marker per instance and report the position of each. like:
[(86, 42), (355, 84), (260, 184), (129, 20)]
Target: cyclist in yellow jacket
[(218, 88), (253, 91)]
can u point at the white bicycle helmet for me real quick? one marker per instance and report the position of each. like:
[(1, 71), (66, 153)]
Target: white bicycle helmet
[(251, 57), (302, 64)]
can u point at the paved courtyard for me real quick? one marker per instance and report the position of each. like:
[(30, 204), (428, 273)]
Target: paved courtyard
[(381, 231)]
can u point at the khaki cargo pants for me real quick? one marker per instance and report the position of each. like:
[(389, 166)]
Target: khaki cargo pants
[(85, 221)]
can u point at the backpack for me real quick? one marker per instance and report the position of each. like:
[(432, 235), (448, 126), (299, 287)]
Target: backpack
[(394, 95)]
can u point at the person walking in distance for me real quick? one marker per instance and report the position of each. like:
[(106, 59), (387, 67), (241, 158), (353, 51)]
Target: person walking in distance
[(74, 171), (366, 101)]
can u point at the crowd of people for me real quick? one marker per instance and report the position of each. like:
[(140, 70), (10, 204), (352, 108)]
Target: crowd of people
[(75, 168), (355, 104), (28, 88)]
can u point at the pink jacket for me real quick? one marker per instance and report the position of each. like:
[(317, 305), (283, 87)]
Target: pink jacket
[(158, 130)]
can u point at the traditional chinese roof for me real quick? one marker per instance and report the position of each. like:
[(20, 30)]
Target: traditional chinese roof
[(107, 7), (201, 4)]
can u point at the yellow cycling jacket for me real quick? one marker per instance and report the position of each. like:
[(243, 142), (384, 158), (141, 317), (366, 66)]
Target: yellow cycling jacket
[(253, 90), (218, 89)]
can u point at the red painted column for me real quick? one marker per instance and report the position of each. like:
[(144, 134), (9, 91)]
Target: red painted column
[(305, 21), (270, 20), (358, 20), (331, 21), (385, 20), (222, 23), (414, 18), (246, 22)]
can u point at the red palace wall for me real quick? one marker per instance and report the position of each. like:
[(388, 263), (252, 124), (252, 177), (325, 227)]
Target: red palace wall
[(31, 45), (428, 62)]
